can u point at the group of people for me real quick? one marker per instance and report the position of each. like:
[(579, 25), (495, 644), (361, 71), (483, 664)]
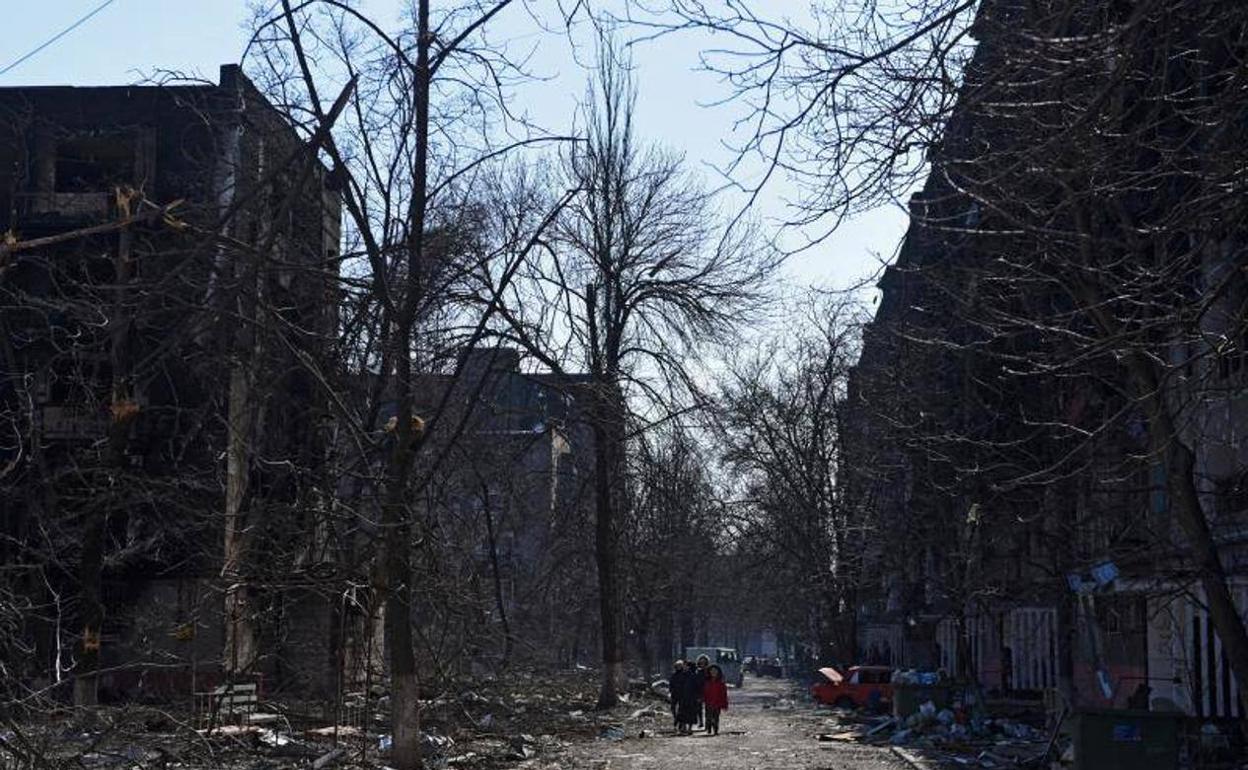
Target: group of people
[(698, 695)]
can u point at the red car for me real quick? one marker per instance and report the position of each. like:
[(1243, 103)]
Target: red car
[(862, 687)]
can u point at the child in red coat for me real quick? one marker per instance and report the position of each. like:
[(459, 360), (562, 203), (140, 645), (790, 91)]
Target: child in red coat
[(715, 696)]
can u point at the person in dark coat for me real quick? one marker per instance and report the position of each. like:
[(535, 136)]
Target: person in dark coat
[(701, 673), (688, 694), (675, 687)]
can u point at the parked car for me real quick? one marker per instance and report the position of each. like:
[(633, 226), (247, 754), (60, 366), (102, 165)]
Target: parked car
[(860, 687), (728, 660), (771, 667)]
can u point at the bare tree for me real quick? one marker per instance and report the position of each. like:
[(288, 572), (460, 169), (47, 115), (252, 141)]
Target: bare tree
[(672, 541), (779, 424), (427, 114), (1075, 176), (637, 278)]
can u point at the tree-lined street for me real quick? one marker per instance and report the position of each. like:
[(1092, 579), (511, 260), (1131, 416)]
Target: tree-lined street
[(764, 729), (431, 383)]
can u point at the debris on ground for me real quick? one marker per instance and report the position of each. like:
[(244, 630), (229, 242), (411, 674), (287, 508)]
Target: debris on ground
[(488, 725), (523, 747), (612, 733), (945, 736), (661, 689)]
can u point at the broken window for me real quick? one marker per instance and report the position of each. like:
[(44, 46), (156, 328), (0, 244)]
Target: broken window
[(94, 163)]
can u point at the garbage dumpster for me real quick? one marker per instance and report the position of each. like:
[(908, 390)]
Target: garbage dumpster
[(1109, 739), (908, 697)]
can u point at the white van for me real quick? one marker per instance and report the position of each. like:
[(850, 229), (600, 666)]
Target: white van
[(727, 658)]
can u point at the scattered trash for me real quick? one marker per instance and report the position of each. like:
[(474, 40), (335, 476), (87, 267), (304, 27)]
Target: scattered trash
[(1106, 573), (612, 733), (463, 759), (940, 735), (1017, 730), (845, 737), (522, 747), (342, 731), (159, 723), (325, 760), (432, 743), (912, 676), (525, 712)]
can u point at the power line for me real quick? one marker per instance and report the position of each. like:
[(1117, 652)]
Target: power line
[(60, 34)]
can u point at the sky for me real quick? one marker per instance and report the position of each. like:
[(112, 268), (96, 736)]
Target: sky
[(130, 40)]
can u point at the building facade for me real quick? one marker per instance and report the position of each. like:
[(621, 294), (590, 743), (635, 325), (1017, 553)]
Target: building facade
[(160, 243), (1001, 449)]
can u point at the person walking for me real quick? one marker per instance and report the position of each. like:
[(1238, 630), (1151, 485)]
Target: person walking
[(700, 674), (676, 685), (715, 696), (688, 694)]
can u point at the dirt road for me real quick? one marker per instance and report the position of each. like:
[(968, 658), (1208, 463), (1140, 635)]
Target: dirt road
[(764, 729)]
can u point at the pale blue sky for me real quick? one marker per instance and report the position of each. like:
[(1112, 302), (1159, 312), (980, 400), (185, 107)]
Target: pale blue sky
[(132, 39)]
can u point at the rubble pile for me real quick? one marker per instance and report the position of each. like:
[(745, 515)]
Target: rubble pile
[(521, 720), (948, 736)]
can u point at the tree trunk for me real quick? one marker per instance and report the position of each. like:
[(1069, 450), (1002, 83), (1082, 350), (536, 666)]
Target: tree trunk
[(396, 518), (1067, 633), (86, 683), (1222, 610), (1180, 464), (645, 655), (508, 639), (606, 559), (240, 639), (397, 589), (687, 629), (241, 647), (666, 640)]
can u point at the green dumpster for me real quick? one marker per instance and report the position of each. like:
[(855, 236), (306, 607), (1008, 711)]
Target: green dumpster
[(1110, 739)]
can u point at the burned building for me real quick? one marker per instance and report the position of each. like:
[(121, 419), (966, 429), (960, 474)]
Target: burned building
[(516, 498), (167, 264), (1011, 446), (502, 488)]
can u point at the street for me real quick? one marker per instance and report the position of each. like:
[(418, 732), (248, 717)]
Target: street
[(448, 383), (764, 729)]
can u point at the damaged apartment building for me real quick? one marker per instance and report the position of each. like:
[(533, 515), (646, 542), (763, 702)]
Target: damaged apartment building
[(504, 491), (1019, 525), (511, 503), (165, 289)]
